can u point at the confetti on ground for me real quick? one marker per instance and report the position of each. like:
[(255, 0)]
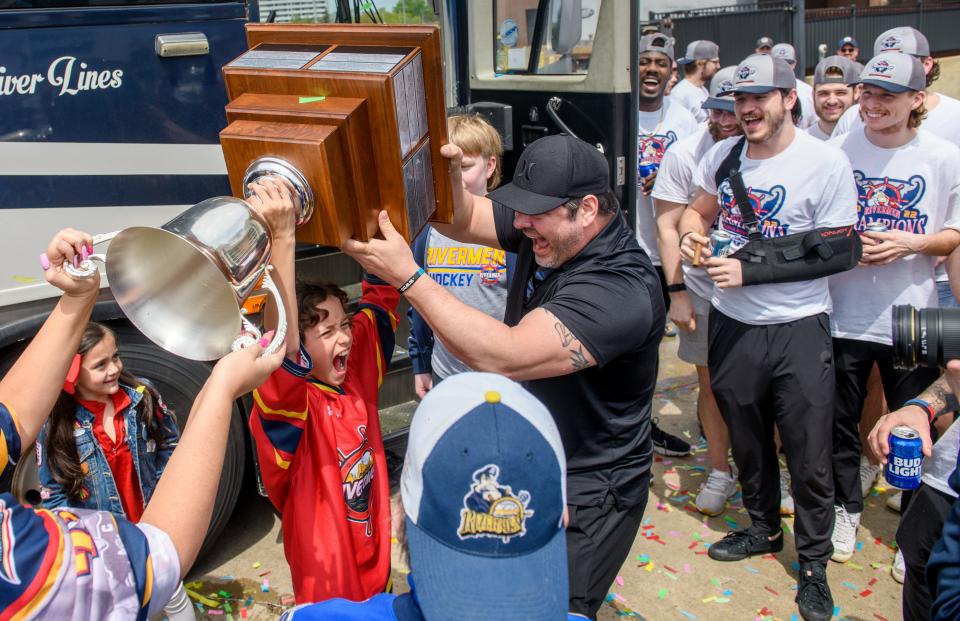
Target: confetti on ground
[(688, 615), (752, 570), (206, 601), (620, 580), (265, 586), (257, 565), (880, 617), (661, 594), (686, 568), (768, 589), (865, 592)]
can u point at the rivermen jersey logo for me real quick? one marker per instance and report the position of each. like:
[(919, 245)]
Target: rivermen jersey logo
[(766, 204), (493, 510), (465, 266), (357, 470), (892, 202), (652, 148)]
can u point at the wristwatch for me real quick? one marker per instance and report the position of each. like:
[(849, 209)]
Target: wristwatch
[(676, 288)]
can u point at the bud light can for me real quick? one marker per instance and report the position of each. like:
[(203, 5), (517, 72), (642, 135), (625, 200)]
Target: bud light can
[(646, 169), (877, 227), (722, 243), (905, 459)]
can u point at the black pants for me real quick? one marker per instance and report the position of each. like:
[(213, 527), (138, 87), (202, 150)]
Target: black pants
[(853, 361), (598, 542), (920, 528), (780, 374), (663, 287)]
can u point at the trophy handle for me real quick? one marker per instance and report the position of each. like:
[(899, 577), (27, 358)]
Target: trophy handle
[(251, 334), (87, 267)]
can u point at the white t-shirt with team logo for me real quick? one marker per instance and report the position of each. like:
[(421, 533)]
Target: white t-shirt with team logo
[(675, 184), (913, 188), (808, 185), (691, 97), (943, 121), (658, 131)]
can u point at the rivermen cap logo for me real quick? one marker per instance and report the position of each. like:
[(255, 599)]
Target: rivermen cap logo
[(744, 72), (892, 42), (493, 510), (881, 68)]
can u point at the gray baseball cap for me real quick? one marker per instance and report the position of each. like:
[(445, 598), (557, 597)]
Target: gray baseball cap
[(847, 68), (657, 42), (784, 51), (722, 81), (896, 72), (903, 39), (700, 50), (764, 42), (761, 73)]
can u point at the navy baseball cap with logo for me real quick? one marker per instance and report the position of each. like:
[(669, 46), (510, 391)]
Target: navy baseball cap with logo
[(761, 73), (902, 39), (722, 81), (552, 171), (483, 489), (896, 72), (847, 40)]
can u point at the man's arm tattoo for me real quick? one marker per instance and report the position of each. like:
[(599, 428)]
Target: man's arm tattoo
[(577, 359), (566, 337), (940, 397)]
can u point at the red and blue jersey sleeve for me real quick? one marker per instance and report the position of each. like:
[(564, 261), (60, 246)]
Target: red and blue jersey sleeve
[(277, 423), (374, 326), (9, 439)]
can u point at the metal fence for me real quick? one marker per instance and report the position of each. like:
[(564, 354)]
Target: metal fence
[(938, 21), (736, 28)]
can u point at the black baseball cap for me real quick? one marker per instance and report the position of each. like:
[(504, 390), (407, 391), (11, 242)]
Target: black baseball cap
[(552, 171)]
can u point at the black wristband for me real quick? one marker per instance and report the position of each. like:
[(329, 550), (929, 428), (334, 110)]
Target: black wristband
[(677, 288), (409, 283)]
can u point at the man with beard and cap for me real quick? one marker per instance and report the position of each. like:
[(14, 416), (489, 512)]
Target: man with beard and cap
[(690, 288), (834, 81), (786, 53), (582, 328), (770, 350), (661, 123), (700, 64)]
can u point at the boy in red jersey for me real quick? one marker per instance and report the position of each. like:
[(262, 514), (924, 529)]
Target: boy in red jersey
[(316, 424)]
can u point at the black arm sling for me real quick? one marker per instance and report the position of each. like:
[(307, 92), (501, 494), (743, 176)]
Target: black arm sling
[(790, 258)]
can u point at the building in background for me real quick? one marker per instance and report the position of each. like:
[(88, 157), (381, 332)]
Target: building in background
[(297, 10)]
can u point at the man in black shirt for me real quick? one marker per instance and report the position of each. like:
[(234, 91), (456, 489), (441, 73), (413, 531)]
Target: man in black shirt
[(583, 324)]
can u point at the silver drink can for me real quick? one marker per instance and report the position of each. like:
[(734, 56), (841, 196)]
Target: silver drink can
[(722, 243), (877, 227)]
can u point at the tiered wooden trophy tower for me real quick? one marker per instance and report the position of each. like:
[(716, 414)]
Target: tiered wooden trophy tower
[(352, 115)]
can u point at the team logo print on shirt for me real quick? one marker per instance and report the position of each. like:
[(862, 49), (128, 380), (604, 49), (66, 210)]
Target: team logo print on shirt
[(357, 470), (464, 266), (653, 147), (766, 204), (493, 510), (892, 202)]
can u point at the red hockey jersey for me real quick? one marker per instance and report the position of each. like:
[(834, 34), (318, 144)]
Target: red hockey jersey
[(323, 464)]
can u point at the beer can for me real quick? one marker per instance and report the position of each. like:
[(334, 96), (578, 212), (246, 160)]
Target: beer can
[(646, 169), (905, 460), (722, 243), (877, 227)]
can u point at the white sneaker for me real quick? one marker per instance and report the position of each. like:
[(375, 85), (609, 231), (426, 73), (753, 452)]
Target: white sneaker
[(899, 568), (844, 536), (868, 475), (715, 491), (893, 502), (786, 500)]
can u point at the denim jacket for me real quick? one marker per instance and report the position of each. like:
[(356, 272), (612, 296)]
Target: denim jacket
[(149, 460)]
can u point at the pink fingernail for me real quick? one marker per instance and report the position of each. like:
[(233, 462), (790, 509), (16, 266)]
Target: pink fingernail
[(44, 261), (84, 253), (76, 261), (264, 342), (89, 249)]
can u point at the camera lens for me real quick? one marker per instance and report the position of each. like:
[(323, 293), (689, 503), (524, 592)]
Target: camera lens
[(929, 337)]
